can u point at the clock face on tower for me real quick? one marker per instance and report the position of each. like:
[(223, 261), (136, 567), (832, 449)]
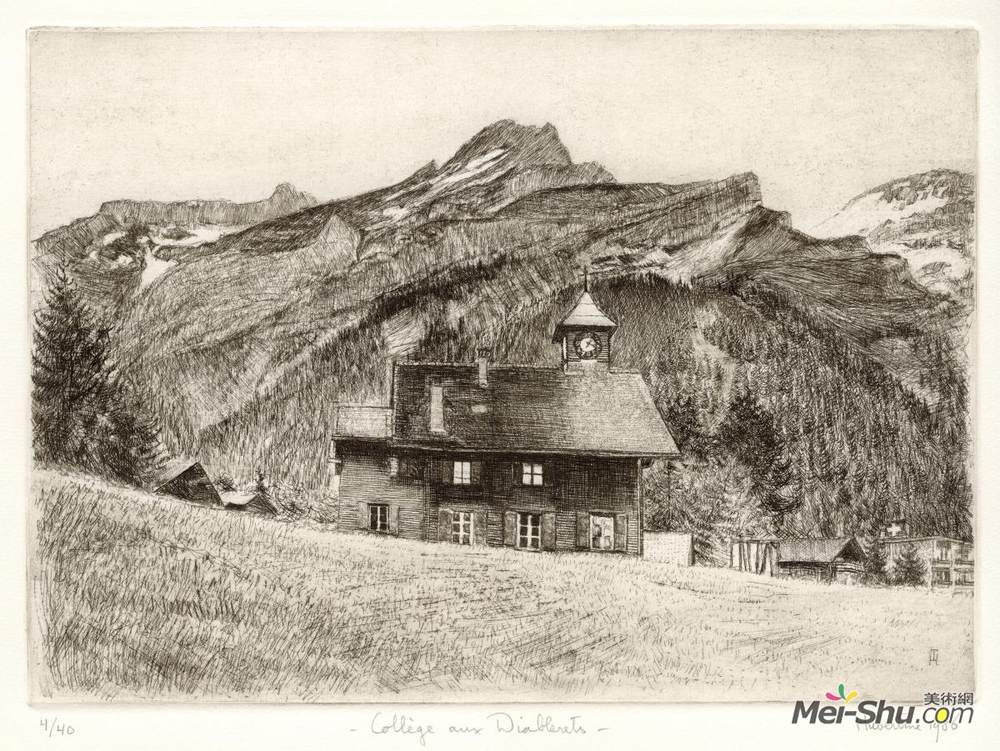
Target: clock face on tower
[(588, 345)]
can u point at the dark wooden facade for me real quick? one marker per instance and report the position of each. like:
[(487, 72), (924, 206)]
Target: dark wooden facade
[(422, 499), (507, 455)]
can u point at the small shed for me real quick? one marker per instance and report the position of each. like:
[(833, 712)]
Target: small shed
[(830, 559), (187, 479), (255, 502)]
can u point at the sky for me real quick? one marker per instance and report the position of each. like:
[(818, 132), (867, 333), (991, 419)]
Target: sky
[(172, 115)]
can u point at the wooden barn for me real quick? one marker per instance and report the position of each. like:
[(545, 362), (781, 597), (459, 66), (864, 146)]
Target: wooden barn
[(838, 559), (187, 479), (533, 458)]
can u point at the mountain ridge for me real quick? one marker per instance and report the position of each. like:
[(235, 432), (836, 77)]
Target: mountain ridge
[(244, 343), (315, 274)]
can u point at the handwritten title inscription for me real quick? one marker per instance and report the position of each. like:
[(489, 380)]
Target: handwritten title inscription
[(494, 723)]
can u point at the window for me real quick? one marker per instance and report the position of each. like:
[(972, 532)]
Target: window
[(943, 551), (410, 468), (942, 576), (378, 517), (602, 532), (437, 409), (529, 531), (462, 473), (461, 527), (963, 577), (531, 474)]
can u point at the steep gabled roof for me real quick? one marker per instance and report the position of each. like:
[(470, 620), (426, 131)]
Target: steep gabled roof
[(585, 314), (819, 550), (172, 469), (238, 499), (530, 410)]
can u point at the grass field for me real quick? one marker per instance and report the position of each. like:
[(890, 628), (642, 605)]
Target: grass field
[(138, 596)]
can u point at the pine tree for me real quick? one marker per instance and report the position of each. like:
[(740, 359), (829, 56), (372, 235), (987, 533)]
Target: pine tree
[(130, 449), (82, 412), (875, 564), (750, 435), (69, 395), (682, 417), (910, 570)]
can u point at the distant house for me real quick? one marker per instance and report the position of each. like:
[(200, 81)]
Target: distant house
[(532, 458), (187, 479), (838, 559), (948, 561)]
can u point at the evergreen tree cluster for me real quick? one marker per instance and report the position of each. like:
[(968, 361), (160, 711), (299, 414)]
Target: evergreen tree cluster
[(83, 413), (909, 569), (787, 428)]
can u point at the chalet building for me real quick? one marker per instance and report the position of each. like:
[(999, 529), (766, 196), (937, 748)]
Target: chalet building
[(824, 559), (948, 561), (533, 458), (828, 559)]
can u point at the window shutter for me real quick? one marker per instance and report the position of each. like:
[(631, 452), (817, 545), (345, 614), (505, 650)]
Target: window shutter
[(362, 515), (447, 471), (516, 476), (475, 472), (479, 528), (411, 468), (582, 529), (621, 531), (549, 531), (444, 525), (509, 528), (394, 520)]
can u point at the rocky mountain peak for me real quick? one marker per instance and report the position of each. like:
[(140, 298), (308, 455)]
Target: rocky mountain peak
[(287, 197), (521, 145)]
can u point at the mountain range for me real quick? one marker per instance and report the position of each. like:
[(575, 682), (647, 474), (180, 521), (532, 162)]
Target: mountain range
[(242, 324)]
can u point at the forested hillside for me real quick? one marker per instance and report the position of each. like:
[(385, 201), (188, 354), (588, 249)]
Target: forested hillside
[(813, 386)]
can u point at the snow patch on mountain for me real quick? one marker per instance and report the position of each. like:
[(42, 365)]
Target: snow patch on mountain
[(869, 211), (197, 235), (928, 219), (154, 269)]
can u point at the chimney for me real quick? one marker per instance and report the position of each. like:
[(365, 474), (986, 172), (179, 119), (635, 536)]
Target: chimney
[(437, 408), (483, 361)]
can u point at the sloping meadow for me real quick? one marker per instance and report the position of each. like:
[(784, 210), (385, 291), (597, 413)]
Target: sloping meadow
[(145, 597)]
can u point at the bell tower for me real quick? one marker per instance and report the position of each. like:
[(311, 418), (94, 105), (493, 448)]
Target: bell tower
[(585, 334)]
